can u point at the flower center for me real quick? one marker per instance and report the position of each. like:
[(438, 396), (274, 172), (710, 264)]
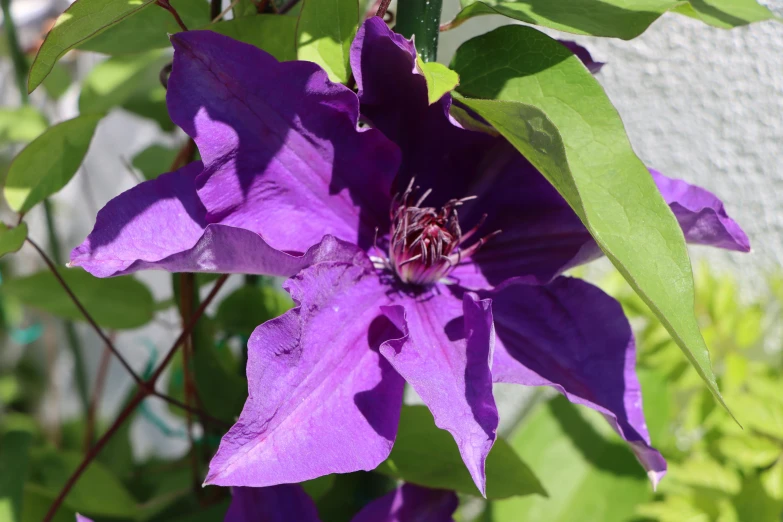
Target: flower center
[(426, 242)]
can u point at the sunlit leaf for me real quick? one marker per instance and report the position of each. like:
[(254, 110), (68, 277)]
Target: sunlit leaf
[(274, 34), (440, 79), (113, 82), (548, 105), (21, 125), (616, 18), (324, 34), (47, 164), (154, 160)]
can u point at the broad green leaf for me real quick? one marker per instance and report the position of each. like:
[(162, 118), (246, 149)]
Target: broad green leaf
[(703, 471), (149, 28), (150, 103), (154, 160), (349, 493), (116, 303), (14, 456), (587, 476), (762, 415), (624, 19), (753, 504), (440, 79), (249, 306), (98, 491), (83, 20), (772, 480), (324, 34), (545, 102), (245, 8), (12, 239), (274, 34), (749, 451), (115, 81), (21, 125), (58, 81), (47, 164), (426, 455)]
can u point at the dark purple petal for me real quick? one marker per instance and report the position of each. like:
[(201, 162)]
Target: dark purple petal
[(542, 237), (584, 55), (81, 518), (701, 215), (445, 356), (280, 144), (283, 503), (321, 398), (572, 336), (393, 94), (160, 224), (410, 503)]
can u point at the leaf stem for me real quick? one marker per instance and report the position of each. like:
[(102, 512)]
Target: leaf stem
[(84, 312), (170, 8), (17, 56), (146, 389)]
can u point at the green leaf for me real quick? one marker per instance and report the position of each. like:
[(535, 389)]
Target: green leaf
[(154, 160), (12, 239), (426, 455), (772, 480), (440, 79), (274, 34), (21, 125), (762, 415), (97, 492), (324, 34), (245, 8), (703, 471), (37, 500), (749, 451), (220, 386), (559, 117), (14, 456), (587, 476), (148, 29), (58, 81), (615, 18), (116, 303), (115, 81), (249, 306), (47, 164)]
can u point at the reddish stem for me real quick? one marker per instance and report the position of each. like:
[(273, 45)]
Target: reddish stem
[(170, 8), (382, 8), (100, 384), (187, 284)]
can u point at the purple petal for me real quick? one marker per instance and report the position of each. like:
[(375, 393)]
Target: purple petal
[(410, 503), (81, 518), (584, 55), (321, 398), (439, 153), (572, 336), (283, 503), (280, 144), (542, 237), (445, 356), (701, 215), (160, 224)]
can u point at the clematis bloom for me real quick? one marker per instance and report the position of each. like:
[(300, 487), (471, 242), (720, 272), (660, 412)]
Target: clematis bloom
[(418, 251)]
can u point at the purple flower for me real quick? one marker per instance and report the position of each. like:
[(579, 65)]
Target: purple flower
[(418, 251), (290, 503)]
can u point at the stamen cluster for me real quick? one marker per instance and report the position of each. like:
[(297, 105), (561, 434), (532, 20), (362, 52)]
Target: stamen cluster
[(426, 242)]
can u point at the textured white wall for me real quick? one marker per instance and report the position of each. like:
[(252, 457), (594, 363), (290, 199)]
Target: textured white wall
[(702, 104)]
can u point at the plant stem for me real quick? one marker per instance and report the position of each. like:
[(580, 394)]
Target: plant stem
[(422, 20), (17, 56), (97, 393), (187, 283), (170, 8), (146, 389), (80, 369)]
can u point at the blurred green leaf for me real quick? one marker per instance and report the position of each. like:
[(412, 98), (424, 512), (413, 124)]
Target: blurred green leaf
[(245, 8), (154, 160), (220, 387), (772, 480), (274, 34), (587, 476), (749, 451), (21, 125), (58, 81), (148, 29), (324, 34), (426, 455), (548, 105), (763, 416), (98, 491), (614, 18), (317, 488), (113, 82), (14, 457), (150, 103), (249, 306), (673, 509), (37, 500), (754, 504), (349, 493), (116, 303), (440, 79), (47, 164), (12, 239), (703, 471)]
